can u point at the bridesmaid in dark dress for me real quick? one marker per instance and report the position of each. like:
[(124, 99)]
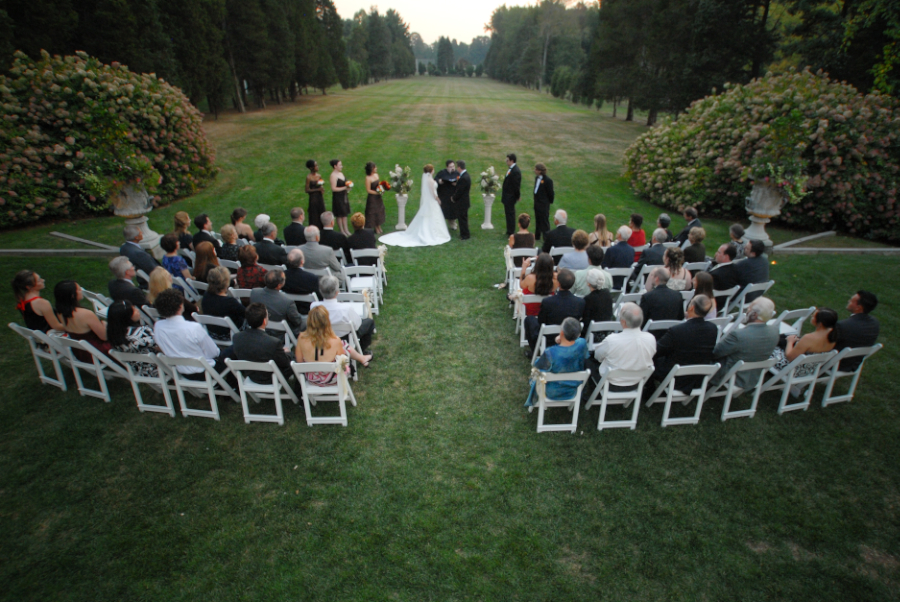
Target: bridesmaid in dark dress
[(374, 203), (340, 196), (314, 186)]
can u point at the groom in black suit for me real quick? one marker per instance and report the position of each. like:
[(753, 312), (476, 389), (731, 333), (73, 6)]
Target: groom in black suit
[(461, 199), (512, 191)]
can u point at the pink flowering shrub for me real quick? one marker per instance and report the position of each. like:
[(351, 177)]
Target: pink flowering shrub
[(73, 131), (846, 144)]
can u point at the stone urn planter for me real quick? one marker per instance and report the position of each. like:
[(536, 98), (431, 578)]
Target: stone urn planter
[(488, 203), (134, 203), (401, 211), (764, 203)]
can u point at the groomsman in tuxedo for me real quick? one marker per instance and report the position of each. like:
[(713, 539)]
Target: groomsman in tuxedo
[(461, 199), (512, 191), (446, 180), (543, 198)]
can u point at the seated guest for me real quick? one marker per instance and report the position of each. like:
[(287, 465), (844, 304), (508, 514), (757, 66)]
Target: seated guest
[(329, 238), (753, 343), (255, 345), (561, 236), (125, 332), (343, 313), (261, 220), (595, 255), (319, 344), (689, 343), (173, 262), (204, 231), (81, 324), (523, 239), (821, 340), (600, 236), (556, 308), (754, 269), (37, 312), (298, 281), (204, 261), (577, 259), (660, 302), (541, 281), (695, 251), (690, 216), (133, 250), (638, 238), (598, 304), (723, 269), (122, 288), (219, 304), (679, 278), (270, 253), (664, 221), (229, 249), (860, 329), (319, 257), (161, 280), (293, 232), (567, 355), (653, 255), (736, 231), (279, 305), (630, 349), (244, 231), (362, 238), (620, 255), (250, 275), (179, 338), (182, 223), (703, 285)]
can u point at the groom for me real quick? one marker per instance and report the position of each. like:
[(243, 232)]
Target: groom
[(461, 199)]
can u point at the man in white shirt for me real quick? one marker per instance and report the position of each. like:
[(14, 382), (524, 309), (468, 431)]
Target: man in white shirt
[(630, 349), (343, 313), (177, 337)]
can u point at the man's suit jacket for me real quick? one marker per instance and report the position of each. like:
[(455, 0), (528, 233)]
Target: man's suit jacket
[(724, 276), (544, 196), (256, 346), (364, 238), (753, 343), (619, 255), (695, 252), (279, 305), (662, 303), (560, 236), (752, 270), (141, 259), (319, 257), (125, 290), (298, 281), (335, 240), (558, 307), (204, 236), (653, 255), (859, 330), (686, 344), (461, 194), (293, 234), (512, 186), (270, 254), (683, 235)]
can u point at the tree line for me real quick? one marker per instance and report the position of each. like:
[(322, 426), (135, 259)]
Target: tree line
[(447, 53), (218, 51), (661, 55)]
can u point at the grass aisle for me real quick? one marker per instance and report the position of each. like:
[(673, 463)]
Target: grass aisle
[(439, 488)]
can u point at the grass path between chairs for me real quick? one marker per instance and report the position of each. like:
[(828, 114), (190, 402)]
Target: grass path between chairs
[(439, 488)]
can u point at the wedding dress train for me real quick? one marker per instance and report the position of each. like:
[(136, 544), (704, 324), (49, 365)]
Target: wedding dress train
[(428, 227)]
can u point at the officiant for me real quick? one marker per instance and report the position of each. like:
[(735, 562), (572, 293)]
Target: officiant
[(446, 180)]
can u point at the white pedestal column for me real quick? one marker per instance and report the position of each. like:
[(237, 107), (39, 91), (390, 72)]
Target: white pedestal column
[(401, 211), (488, 203)]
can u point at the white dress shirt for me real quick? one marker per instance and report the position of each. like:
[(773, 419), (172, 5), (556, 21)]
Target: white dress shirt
[(179, 338), (537, 183), (630, 349), (341, 312)]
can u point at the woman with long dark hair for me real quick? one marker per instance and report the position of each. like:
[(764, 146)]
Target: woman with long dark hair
[(125, 332), (36, 311), (821, 340), (81, 324), (205, 260), (541, 281), (314, 187), (374, 203), (703, 285), (340, 196)]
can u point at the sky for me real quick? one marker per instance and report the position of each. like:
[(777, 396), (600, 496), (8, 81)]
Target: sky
[(460, 19)]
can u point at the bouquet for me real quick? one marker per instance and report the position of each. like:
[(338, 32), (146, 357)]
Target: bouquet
[(383, 187), (349, 183), (490, 181), (401, 179)]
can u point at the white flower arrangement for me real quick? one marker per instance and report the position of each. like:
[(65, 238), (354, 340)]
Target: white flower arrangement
[(490, 181), (401, 179)]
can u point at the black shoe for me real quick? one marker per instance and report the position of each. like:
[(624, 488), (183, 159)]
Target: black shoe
[(465, 237)]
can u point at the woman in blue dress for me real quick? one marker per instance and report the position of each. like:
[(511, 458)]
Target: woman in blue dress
[(566, 356)]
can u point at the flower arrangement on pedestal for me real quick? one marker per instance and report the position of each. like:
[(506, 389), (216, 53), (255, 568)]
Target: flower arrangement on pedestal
[(105, 173), (490, 181), (401, 179)]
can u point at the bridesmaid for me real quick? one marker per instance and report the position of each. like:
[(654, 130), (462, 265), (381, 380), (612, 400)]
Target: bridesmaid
[(340, 202), (314, 190), (374, 202)]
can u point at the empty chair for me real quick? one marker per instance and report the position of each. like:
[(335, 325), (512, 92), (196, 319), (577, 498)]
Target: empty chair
[(160, 383), (274, 390), (619, 397), (791, 321), (620, 273), (830, 372), (728, 388), (213, 385), (668, 393), (573, 403), (42, 348), (100, 367), (741, 300), (357, 254), (338, 392), (800, 373)]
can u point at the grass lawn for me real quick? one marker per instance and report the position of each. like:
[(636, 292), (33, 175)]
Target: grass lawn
[(439, 488)]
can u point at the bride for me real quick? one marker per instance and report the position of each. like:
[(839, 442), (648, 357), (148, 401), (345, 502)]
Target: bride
[(428, 227)]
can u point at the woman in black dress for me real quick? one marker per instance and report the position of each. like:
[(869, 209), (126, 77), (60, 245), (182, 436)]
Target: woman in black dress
[(340, 199), (374, 202), (314, 190)]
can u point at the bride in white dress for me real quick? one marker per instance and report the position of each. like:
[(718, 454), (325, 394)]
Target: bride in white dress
[(428, 227)]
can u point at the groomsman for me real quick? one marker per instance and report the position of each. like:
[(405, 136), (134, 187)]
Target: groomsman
[(461, 200), (446, 180), (543, 198), (512, 192)]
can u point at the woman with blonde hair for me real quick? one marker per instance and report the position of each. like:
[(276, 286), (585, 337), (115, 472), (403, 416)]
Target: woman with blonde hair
[(600, 236), (318, 343), (229, 249), (160, 280), (182, 223)]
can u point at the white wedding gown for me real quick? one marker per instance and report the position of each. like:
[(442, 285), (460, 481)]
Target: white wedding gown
[(428, 227)]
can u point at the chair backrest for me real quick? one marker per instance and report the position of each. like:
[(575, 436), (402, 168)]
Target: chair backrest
[(624, 398), (626, 298), (99, 303), (760, 287), (547, 330), (273, 390), (310, 298), (803, 372), (831, 371), (671, 245), (357, 254), (213, 384), (231, 265), (340, 391), (696, 266), (640, 249), (622, 273), (721, 324), (189, 293), (654, 325), (728, 388), (725, 298), (189, 254), (318, 271), (240, 293), (524, 252), (151, 313), (686, 297), (595, 329), (573, 402), (560, 251), (142, 275), (667, 388), (269, 267), (225, 322), (99, 367), (641, 279), (284, 328), (786, 325)]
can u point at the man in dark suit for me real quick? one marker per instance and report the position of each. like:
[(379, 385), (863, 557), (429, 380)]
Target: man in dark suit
[(298, 281), (204, 227), (723, 269), (446, 180), (269, 253), (255, 345), (660, 302), (860, 329), (690, 216), (293, 233), (512, 191), (561, 235), (653, 255), (330, 238), (555, 309), (122, 288), (279, 305), (461, 201), (619, 255), (543, 198), (133, 251), (754, 269), (687, 344)]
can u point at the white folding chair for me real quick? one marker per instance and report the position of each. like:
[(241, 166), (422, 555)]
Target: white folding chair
[(357, 254), (100, 367), (831, 371), (724, 299), (339, 392), (573, 403), (622, 398), (671, 245), (520, 314), (696, 266), (626, 298), (213, 384), (596, 329), (310, 298), (741, 300), (284, 329), (318, 271), (667, 388), (722, 324), (259, 391), (799, 316), (511, 255), (142, 275), (269, 267), (100, 303), (161, 383), (189, 293), (231, 265), (686, 297), (43, 349), (786, 379), (240, 293), (625, 273), (557, 252), (360, 278), (151, 315), (640, 249), (191, 256), (641, 280), (654, 325), (728, 389), (346, 331), (200, 287), (547, 330), (360, 303), (226, 322)]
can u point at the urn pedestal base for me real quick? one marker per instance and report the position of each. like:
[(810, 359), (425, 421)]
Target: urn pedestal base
[(488, 203), (401, 211)]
